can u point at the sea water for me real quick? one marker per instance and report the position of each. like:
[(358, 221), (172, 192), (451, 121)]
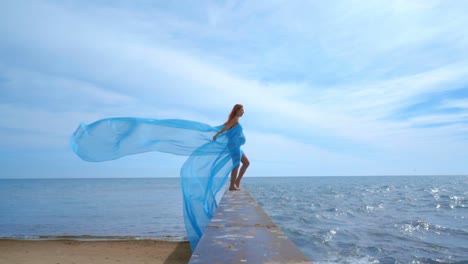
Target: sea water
[(92, 209), (371, 219), (418, 219)]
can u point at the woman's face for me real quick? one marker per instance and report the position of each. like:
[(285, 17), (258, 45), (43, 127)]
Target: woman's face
[(240, 112)]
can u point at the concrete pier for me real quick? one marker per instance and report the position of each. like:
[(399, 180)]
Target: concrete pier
[(241, 232)]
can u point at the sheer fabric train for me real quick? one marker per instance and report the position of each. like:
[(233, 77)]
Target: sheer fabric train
[(203, 174)]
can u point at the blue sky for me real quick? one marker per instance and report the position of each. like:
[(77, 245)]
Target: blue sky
[(329, 87)]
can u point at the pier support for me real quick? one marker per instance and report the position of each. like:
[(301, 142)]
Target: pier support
[(241, 232)]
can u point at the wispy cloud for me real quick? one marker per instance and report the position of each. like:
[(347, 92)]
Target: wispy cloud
[(461, 104)]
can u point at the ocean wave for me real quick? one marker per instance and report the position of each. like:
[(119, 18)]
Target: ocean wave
[(372, 219)]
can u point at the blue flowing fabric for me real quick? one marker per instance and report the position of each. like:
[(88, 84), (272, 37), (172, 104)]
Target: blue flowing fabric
[(204, 173)]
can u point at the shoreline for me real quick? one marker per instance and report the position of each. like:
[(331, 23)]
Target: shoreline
[(93, 251), (91, 238)]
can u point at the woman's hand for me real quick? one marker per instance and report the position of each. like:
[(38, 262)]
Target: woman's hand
[(214, 137)]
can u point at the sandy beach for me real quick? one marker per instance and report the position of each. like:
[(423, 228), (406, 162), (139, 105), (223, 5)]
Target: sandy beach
[(96, 252)]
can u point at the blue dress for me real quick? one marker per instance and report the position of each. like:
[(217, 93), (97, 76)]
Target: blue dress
[(203, 174)]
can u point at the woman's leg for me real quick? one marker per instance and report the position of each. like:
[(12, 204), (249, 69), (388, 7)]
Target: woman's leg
[(232, 185), (245, 164)]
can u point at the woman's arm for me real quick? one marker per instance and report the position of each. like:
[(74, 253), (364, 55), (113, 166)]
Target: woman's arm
[(226, 127)]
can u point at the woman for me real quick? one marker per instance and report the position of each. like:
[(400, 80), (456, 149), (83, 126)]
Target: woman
[(235, 139), (204, 173)]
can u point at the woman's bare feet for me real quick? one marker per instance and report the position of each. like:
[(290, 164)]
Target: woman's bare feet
[(237, 183), (233, 187)]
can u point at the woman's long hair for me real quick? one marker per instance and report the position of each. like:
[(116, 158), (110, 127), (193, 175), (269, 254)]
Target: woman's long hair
[(233, 112)]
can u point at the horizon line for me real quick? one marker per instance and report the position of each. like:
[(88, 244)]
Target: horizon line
[(277, 176)]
